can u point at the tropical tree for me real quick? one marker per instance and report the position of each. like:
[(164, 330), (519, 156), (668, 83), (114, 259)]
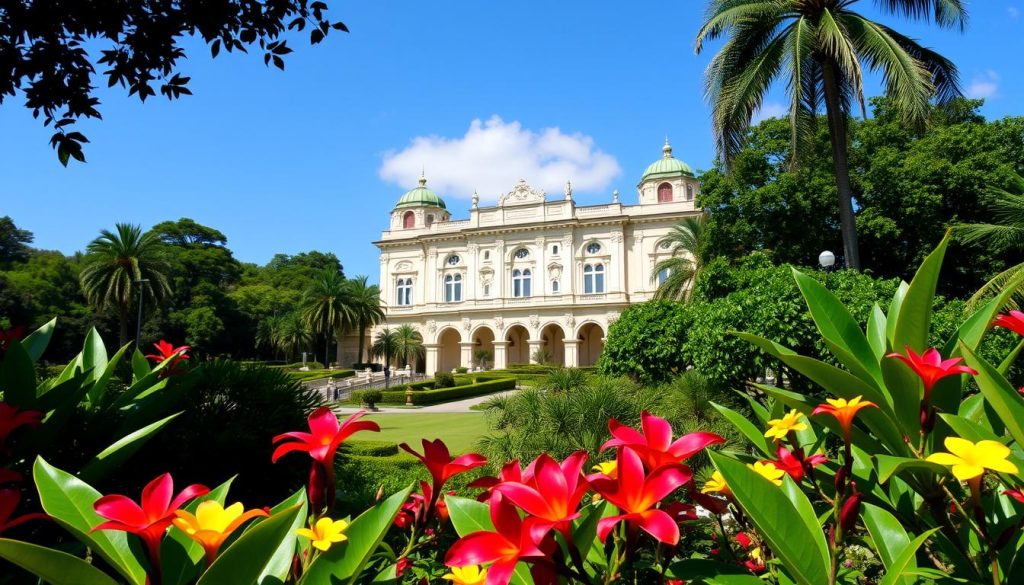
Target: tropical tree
[(1006, 234), (819, 48), (293, 335), (681, 269), (409, 344), (327, 309), (268, 331), (385, 345), (365, 303), (117, 264)]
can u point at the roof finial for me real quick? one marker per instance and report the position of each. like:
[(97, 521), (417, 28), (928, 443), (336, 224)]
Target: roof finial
[(423, 176), (568, 190), (476, 199), (667, 149)]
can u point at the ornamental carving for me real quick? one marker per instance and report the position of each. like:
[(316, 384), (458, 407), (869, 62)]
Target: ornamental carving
[(554, 271), (465, 323), (570, 321), (534, 321), (617, 237), (521, 194), (432, 326), (499, 323), (613, 316), (404, 265)]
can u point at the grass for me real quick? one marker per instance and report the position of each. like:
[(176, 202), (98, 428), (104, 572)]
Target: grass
[(460, 431)]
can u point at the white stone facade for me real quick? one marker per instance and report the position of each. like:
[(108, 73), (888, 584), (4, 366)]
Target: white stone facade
[(533, 272)]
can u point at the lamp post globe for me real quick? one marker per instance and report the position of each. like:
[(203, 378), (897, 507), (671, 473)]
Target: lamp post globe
[(826, 259)]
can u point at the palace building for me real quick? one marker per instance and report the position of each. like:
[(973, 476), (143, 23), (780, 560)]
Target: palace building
[(533, 272)]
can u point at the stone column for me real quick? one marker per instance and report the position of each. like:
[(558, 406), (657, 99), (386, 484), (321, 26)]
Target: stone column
[(572, 353), (432, 355), (500, 355), (466, 360), (535, 344)]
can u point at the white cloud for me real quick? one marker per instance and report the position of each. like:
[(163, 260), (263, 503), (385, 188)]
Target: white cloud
[(770, 110), (983, 86), (1013, 12), (494, 154)]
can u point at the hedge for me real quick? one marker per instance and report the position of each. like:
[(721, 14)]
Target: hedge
[(321, 374), (443, 395), (366, 448)]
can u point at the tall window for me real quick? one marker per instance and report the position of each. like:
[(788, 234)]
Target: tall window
[(554, 249), (430, 219), (409, 220), (403, 291), (453, 288), (689, 192), (663, 275), (555, 287), (593, 278), (664, 193), (521, 282)]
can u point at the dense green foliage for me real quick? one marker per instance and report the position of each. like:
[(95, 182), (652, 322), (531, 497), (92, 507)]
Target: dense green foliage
[(422, 396)]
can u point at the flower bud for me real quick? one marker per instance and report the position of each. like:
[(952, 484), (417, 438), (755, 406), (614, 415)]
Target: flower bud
[(841, 481), (850, 512)]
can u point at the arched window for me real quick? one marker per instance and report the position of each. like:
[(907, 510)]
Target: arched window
[(593, 248), (403, 292), (453, 288), (555, 287), (487, 290), (664, 193), (521, 282), (409, 220), (554, 249), (593, 279), (689, 192), (663, 276), (430, 219), (522, 253), (487, 254)]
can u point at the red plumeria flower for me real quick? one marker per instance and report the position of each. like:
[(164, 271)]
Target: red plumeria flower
[(554, 491), (9, 498), (1014, 321), (11, 419), (654, 445), (149, 520), (793, 465), (511, 471), (1016, 494), (637, 496), (321, 443), (438, 461), (9, 335), (931, 368), (513, 540)]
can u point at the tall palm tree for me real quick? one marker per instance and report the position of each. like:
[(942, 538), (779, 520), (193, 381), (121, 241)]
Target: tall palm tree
[(818, 47), (366, 307), (326, 308), (409, 344), (293, 335), (115, 262), (687, 242), (385, 345), (1004, 234)]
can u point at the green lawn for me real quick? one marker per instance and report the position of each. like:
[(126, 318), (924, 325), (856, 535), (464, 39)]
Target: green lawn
[(459, 431)]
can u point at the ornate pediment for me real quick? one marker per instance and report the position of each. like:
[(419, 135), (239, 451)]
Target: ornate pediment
[(521, 194)]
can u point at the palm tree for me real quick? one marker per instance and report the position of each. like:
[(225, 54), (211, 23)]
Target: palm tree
[(293, 335), (409, 344), (327, 309), (819, 47), (115, 262), (268, 332), (366, 308), (385, 345), (678, 273), (1005, 234)]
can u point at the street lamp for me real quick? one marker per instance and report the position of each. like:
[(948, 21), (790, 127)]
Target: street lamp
[(826, 259), (138, 323)]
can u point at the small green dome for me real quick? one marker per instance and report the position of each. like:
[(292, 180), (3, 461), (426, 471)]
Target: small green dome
[(666, 167), (420, 197)]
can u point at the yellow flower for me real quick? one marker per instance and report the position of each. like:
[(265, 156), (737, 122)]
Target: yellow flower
[(970, 460), (608, 468), (779, 427), (768, 471), (471, 575), (715, 484), (325, 532), (756, 554), (212, 524)]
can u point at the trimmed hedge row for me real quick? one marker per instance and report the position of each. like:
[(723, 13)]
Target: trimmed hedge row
[(445, 394), (322, 374), (366, 448)]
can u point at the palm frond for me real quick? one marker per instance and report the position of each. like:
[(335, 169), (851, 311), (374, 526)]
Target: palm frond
[(945, 13), (1012, 277)]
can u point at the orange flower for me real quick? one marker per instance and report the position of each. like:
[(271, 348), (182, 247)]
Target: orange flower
[(844, 411), (212, 524)]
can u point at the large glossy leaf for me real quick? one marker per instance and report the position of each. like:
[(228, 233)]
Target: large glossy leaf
[(784, 526), (68, 500), (894, 310), (140, 366), (905, 389), (35, 344), (344, 563), (584, 532), (752, 433), (18, 376), (249, 557), (99, 388), (915, 315), (1003, 397), (94, 354), (889, 466), (905, 562), (108, 460), (277, 568), (888, 536), (52, 566), (876, 332)]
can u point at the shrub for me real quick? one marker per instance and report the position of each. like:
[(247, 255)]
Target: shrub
[(368, 448), (443, 380), (371, 397), (564, 380), (646, 342), (461, 370)]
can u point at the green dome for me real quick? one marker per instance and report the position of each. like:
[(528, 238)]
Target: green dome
[(666, 167), (420, 197)]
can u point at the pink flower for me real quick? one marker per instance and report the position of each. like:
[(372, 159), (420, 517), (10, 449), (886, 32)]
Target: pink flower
[(654, 445)]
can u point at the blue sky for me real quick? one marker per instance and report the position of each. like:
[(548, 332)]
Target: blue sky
[(477, 93)]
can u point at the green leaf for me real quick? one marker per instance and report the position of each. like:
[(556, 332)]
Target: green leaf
[(53, 566), (94, 354), (894, 310), (888, 536), (806, 406), (876, 332), (1005, 400), (913, 322), (280, 564), (704, 570), (18, 376), (906, 562), (140, 366), (35, 344), (800, 545), (889, 466), (68, 500), (752, 433), (100, 386), (247, 559), (468, 515), (584, 532), (344, 563), (108, 460)]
